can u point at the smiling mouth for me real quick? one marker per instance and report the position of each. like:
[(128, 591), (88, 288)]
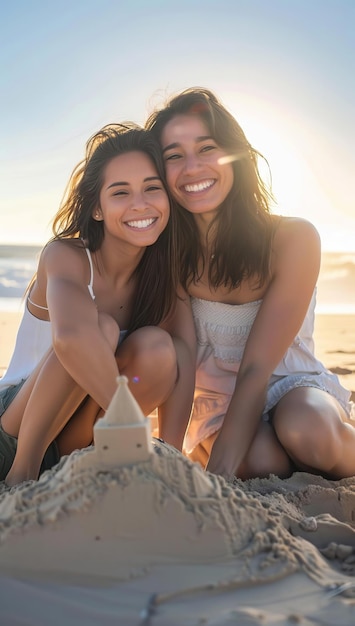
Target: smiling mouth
[(141, 224), (201, 186)]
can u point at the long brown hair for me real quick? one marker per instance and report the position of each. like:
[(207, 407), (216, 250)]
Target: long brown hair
[(243, 227), (157, 271)]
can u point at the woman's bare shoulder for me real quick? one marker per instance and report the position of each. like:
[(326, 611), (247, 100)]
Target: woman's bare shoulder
[(296, 248), (63, 256), (295, 231), (62, 247)]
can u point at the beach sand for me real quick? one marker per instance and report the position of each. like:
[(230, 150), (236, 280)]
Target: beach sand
[(160, 542)]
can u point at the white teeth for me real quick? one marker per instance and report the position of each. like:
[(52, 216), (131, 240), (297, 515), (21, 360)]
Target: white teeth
[(141, 223), (199, 186)]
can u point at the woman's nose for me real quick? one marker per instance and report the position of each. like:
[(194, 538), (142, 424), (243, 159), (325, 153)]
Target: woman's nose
[(139, 202), (192, 162)]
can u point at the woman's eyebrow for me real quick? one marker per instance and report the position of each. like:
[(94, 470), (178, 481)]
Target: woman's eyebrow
[(120, 183), (117, 184), (197, 140), (170, 146)]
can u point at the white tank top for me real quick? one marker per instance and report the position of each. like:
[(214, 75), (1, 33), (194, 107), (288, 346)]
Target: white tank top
[(34, 338)]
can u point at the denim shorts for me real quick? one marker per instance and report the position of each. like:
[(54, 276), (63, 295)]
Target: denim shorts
[(8, 394), (8, 443)]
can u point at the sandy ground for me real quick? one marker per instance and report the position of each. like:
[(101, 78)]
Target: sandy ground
[(335, 346), (158, 541)]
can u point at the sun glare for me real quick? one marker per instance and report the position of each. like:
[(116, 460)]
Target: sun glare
[(282, 168), (290, 170)]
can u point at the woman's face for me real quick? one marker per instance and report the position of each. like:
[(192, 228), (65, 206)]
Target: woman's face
[(197, 169), (133, 202)]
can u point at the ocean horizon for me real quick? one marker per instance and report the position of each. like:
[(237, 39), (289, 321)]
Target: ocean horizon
[(335, 288)]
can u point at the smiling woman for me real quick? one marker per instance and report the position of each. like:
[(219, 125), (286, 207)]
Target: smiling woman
[(133, 204), (100, 305), (263, 403), (195, 164)]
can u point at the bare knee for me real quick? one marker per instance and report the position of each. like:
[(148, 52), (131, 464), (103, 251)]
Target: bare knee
[(148, 358), (150, 349), (309, 427)]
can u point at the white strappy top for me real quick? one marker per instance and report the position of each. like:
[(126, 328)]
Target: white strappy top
[(34, 338), (90, 285)]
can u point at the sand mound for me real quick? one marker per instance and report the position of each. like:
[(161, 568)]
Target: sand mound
[(129, 531), (79, 522)]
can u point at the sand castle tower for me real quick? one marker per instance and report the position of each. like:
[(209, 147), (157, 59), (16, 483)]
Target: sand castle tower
[(123, 435)]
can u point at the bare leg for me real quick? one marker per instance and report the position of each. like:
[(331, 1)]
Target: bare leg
[(202, 452), (53, 397), (79, 431), (316, 433), (50, 397), (147, 357), (264, 457)]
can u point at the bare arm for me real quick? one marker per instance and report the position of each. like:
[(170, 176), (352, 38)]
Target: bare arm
[(284, 306), (77, 339), (174, 414), (81, 362)]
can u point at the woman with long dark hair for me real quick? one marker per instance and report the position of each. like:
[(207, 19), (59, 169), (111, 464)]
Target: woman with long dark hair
[(263, 402), (103, 301)]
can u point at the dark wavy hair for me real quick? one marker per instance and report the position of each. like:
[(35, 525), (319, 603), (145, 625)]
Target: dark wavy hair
[(243, 227), (157, 271)]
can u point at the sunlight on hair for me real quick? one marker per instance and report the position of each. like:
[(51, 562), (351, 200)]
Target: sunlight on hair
[(289, 174), (298, 187), (230, 158)]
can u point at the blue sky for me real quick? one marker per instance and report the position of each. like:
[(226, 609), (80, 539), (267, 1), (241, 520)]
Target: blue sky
[(285, 69)]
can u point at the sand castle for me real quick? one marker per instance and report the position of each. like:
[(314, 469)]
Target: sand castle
[(130, 503), (126, 503)]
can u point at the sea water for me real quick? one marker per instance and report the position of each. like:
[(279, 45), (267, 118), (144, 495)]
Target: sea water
[(17, 266), (335, 290)]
